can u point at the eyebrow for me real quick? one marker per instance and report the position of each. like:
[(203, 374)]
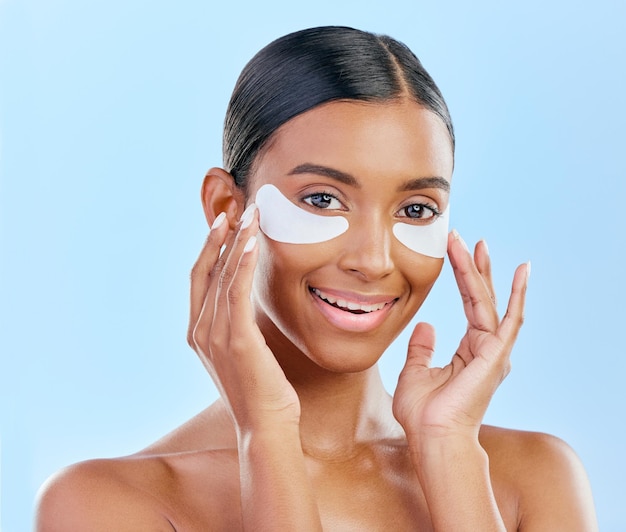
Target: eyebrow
[(419, 183), (333, 173), (425, 182)]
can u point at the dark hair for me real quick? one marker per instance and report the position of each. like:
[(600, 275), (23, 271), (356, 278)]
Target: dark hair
[(307, 68)]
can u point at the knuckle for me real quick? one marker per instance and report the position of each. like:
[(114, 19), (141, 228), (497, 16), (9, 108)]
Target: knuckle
[(475, 300), (517, 318), (212, 345), (194, 338), (238, 344), (506, 368), (502, 367), (233, 295), (190, 339), (471, 299), (197, 270), (225, 275), (518, 321), (198, 340), (217, 267)]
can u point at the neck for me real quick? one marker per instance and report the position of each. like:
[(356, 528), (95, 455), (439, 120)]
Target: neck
[(343, 412), (339, 411)]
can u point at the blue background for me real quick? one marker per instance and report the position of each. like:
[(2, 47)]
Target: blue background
[(111, 112)]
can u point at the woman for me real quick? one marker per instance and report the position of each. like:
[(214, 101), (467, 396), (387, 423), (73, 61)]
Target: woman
[(328, 230)]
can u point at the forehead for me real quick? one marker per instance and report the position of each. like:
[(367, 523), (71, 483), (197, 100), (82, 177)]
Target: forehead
[(400, 139)]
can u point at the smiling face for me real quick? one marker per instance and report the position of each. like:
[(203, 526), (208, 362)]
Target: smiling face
[(342, 300)]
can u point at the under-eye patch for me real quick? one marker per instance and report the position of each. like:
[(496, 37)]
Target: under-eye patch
[(283, 221), (430, 240)]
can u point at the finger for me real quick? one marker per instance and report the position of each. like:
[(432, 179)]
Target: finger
[(483, 263), (421, 346), (207, 309), (206, 306), (240, 311), (202, 327), (479, 309), (201, 271), (514, 316), (226, 290)]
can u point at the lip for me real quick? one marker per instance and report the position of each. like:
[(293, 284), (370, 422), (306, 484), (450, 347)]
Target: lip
[(350, 321)]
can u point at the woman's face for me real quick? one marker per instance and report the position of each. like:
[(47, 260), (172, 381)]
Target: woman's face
[(372, 164)]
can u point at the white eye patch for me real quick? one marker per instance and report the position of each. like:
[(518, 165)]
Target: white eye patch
[(430, 240), (285, 222)]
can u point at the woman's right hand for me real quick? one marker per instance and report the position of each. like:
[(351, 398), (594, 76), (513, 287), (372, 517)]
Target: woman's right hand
[(275, 486), (224, 334)]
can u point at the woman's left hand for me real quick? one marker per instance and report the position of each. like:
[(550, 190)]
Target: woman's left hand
[(451, 401)]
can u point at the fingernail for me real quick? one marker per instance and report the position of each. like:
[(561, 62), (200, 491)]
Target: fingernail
[(528, 270), (219, 220), (486, 246), (250, 244), (457, 236), (248, 216)]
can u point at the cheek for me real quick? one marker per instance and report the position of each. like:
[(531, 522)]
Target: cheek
[(281, 270), (421, 275), (287, 259)]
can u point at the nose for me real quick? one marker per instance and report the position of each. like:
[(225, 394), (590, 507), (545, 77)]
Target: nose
[(366, 250)]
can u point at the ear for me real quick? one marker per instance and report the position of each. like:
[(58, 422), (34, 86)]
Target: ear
[(220, 194)]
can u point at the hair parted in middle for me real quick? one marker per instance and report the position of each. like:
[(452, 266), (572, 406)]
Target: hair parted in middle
[(308, 68)]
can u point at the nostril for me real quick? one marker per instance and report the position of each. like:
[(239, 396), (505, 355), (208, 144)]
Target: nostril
[(367, 250)]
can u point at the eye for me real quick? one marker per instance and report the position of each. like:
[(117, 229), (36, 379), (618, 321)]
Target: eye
[(419, 211), (322, 200)]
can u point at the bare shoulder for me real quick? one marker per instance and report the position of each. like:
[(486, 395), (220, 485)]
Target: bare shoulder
[(181, 482), (102, 495), (548, 478)]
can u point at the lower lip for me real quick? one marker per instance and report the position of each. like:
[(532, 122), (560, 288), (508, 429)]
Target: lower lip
[(348, 321)]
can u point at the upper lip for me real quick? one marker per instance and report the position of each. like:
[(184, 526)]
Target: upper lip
[(353, 301)]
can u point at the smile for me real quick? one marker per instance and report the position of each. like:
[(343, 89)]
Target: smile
[(352, 312), (348, 306)]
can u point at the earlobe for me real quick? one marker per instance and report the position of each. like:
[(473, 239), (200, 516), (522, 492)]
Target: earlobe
[(221, 194)]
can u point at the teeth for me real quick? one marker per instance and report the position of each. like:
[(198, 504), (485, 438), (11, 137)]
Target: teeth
[(347, 304)]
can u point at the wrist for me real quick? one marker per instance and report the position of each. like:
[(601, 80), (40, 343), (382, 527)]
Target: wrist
[(438, 436), (267, 422), (434, 451), (269, 433), (276, 491), (454, 474)]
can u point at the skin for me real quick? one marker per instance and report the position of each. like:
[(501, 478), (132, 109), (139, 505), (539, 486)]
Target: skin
[(304, 436)]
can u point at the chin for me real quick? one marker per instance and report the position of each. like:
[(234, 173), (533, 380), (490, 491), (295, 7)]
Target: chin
[(344, 353)]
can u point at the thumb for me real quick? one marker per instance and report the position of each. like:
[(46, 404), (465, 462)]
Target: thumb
[(421, 346)]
